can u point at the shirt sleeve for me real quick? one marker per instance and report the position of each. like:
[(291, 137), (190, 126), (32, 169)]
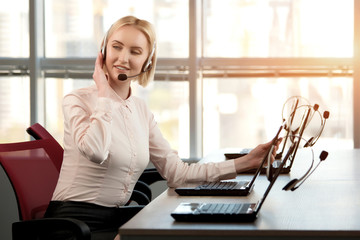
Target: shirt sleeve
[(177, 172), (89, 123)]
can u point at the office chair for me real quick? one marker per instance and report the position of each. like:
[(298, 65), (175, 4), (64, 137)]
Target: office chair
[(33, 177), (142, 193)]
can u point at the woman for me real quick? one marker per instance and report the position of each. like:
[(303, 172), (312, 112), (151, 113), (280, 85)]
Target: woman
[(110, 135)]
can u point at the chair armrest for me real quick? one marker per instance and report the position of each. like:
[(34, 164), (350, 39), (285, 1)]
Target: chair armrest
[(150, 175), (47, 228), (144, 188), (139, 197)]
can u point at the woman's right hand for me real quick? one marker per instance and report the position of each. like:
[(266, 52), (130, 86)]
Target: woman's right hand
[(100, 78), (256, 156)]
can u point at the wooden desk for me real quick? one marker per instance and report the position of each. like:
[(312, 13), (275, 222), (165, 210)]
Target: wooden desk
[(327, 206)]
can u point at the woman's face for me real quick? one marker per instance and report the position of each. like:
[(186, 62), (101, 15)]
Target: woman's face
[(126, 51)]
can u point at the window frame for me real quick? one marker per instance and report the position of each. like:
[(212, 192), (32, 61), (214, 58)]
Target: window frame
[(191, 69)]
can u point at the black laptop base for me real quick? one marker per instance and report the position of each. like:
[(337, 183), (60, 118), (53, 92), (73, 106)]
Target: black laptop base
[(284, 170), (221, 218), (180, 216), (191, 191)]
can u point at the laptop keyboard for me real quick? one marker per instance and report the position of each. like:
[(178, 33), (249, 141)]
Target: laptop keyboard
[(221, 185), (221, 208)]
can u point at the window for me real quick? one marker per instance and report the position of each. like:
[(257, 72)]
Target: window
[(241, 113), (75, 28), (250, 57), (14, 85), (258, 28), (14, 32), (14, 105)]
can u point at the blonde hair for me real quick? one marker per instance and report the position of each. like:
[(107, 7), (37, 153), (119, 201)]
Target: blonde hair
[(148, 30)]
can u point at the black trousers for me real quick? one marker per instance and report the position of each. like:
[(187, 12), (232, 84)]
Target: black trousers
[(102, 221)]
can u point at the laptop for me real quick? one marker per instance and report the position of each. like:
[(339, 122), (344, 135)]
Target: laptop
[(226, 187), (226, 212)]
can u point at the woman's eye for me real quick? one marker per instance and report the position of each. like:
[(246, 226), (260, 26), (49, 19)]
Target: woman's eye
[(117, 47)]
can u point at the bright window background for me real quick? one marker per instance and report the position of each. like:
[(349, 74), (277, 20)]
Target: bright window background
[(169, 102), (241, 113), (14, 90), (237, 112), (14, 28), (75, 28), (15, 108), (288, 28)]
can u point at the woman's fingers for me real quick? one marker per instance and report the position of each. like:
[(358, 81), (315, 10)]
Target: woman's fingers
[(100, 77)]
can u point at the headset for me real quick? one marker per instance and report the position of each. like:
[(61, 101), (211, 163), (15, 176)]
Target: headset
[(311, 142), (296, 183), (295, 136), (297, 105), (146, 66)]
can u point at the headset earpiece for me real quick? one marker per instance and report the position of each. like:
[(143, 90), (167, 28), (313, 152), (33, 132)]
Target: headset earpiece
[(103, 47), (148, 64)]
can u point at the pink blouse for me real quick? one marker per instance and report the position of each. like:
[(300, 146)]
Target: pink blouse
[(108, 143)]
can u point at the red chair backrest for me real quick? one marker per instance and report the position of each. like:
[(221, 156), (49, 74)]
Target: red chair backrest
[(38, 132), (32, 174)]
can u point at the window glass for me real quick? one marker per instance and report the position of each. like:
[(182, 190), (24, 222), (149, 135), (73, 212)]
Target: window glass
[(271, 28), (15, 109), (75, 28), (241, 113), (168, 101), (14, 28)]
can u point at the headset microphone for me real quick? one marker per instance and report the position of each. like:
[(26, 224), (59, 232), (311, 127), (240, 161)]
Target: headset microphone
[(123, 77)]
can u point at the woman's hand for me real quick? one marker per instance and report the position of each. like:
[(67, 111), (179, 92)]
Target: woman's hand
[(256, 156), (100, 78)]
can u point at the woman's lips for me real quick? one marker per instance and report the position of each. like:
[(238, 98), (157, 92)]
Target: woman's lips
[(121, 68)]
